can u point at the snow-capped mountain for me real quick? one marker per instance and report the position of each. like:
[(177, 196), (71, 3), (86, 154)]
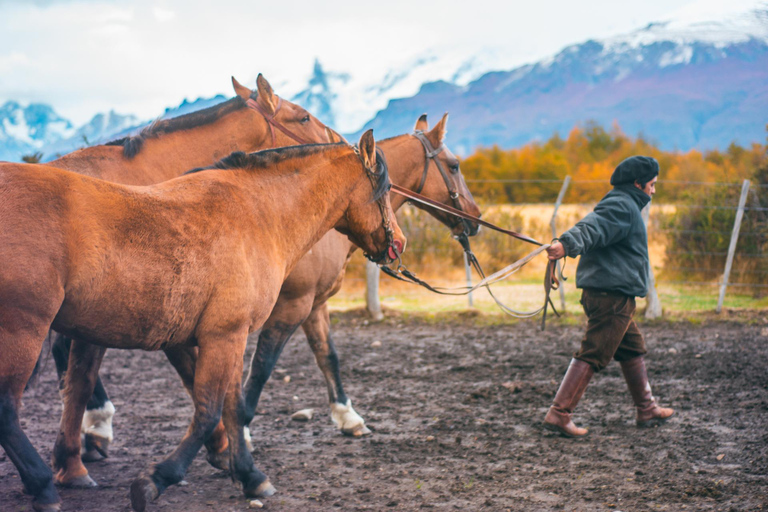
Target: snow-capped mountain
[(346, 100), (25, 129), (682, 84)]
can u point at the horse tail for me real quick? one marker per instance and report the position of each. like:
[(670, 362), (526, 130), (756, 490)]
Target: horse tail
[(42, 362)]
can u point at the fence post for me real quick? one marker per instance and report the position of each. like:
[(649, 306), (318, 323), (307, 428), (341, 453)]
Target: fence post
[(372, 302), (653, 304), (558, 202), (468, 270), (732, 246)]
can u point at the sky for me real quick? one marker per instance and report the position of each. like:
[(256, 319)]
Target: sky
[(139, 57)]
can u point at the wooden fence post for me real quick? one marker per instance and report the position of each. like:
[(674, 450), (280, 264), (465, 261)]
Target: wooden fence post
[(372, 302), (558, 202), (653, 305), (732, 246)]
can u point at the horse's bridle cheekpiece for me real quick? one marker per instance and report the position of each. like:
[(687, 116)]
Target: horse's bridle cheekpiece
[(270, 119), (394, 247)]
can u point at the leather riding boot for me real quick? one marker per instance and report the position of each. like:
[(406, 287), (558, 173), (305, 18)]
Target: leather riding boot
[(648, 411), (572, 388)]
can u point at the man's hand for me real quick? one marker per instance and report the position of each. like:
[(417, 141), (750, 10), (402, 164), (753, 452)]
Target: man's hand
[(555, 251)]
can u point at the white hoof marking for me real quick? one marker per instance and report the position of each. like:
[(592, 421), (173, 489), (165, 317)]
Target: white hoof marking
[(98, 422), (247, 436), (346, 419)]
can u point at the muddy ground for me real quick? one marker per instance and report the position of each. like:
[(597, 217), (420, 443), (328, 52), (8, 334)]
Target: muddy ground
[(456, 415)]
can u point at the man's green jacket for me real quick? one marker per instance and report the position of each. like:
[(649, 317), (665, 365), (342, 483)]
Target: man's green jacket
[(613, 244)]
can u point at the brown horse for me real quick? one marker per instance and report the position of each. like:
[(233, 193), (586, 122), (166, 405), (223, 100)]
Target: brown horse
[(417, 162), (194, 261), (250, 121)]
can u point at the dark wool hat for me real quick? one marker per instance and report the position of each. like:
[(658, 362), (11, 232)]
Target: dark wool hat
[(635, 168)]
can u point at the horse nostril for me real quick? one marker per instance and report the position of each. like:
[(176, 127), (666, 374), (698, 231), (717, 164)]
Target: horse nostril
[(395, 249)]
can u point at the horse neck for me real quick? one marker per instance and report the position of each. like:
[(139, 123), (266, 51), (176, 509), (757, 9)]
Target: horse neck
[(298, 207), (170, 155), (405, 159)]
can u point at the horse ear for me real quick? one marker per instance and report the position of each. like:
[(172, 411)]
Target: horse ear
[(334, 136), (437, 134), (368, 149), (421, 124), (266, 93), (240, 89)]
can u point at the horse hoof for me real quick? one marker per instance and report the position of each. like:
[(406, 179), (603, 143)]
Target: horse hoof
[(357, 431), (81, 482), (143, 491), (219, 460), (264, 490), (96, 448), (46, 507)]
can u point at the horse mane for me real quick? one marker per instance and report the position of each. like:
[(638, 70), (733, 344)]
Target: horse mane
[(271, 157), (132, 144)]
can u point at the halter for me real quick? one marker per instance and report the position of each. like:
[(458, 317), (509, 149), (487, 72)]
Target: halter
[(431, 153), (270, 119), (394, 247)]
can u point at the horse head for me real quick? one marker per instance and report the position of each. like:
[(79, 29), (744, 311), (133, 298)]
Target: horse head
[(287, 123), (446, 184), (369, 221)]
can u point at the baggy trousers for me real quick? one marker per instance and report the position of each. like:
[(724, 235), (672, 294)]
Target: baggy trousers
[(611, 331)]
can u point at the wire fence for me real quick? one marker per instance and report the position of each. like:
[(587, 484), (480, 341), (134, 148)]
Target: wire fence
[(713, 234)]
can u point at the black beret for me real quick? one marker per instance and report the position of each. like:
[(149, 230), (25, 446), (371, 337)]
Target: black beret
[(635, 168)]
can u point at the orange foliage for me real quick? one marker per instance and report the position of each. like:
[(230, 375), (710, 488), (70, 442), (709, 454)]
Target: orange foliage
[(534, 173)]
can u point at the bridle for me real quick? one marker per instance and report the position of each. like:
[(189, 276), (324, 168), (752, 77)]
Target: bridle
[(272, 123), (431, 153), (394, 247), (551, 281)]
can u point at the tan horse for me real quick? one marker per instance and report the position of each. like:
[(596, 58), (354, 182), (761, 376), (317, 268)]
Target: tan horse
[(250, 121), (319, 274), (194, 261)]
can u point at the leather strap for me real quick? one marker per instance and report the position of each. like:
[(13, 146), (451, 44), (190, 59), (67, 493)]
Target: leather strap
[(413, 196), (270, 119)]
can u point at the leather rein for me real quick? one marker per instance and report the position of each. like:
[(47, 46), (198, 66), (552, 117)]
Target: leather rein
[(551, 281)]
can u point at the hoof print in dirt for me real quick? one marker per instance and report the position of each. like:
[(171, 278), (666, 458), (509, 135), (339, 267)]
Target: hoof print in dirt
[(143, 491)]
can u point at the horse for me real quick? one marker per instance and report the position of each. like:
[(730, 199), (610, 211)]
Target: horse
[(319, 274), (194, 261), (251, 121)]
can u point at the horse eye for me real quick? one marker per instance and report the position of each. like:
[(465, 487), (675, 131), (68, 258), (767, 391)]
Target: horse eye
[(455, 168), (305, 119)]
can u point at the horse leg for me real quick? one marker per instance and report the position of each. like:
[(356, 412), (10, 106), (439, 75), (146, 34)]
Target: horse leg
[(217, 359), (283, 321), (183, 360), (255, 483), (317, 328), (79, 382), (20, 351), (97, 420)]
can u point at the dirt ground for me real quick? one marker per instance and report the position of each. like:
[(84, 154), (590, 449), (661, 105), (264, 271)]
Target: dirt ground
[(456, 415)]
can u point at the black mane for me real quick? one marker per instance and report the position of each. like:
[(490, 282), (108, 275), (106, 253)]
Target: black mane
[(270, 157), (133, 144)]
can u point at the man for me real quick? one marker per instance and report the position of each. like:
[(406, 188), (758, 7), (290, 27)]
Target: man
[(613, 270)]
